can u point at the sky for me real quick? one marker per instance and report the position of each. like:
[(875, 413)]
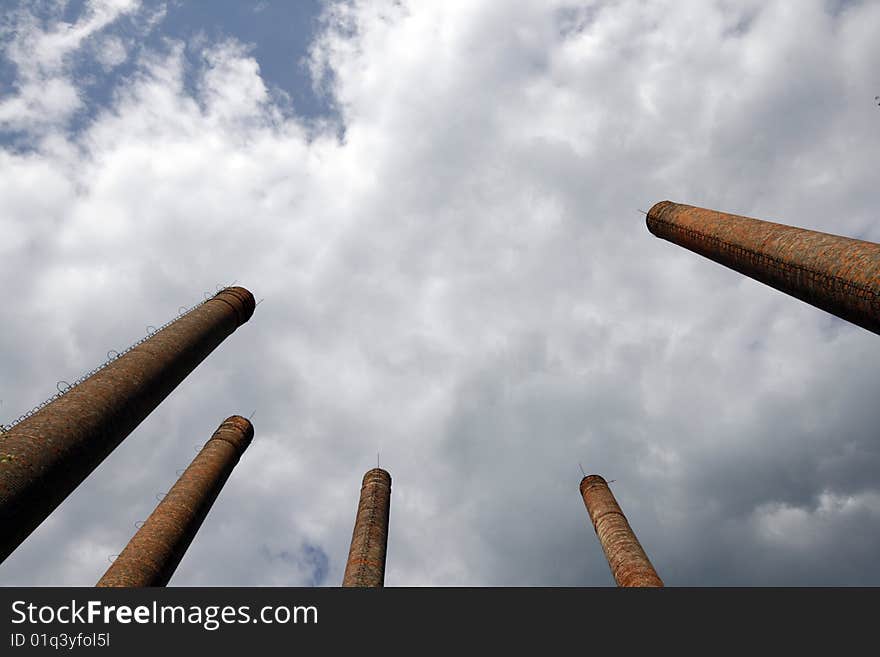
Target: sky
[(438, 206)]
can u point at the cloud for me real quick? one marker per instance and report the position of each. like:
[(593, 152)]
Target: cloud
[(456, 275), (111, 53), (45, 93)]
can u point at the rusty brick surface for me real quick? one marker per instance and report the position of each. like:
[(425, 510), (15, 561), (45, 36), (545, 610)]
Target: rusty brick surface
[(152, 555), (369, 540), (838, 274), (628, 561), (46, 456)]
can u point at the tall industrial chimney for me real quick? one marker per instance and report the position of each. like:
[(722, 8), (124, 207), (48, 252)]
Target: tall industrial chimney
[(46, 456), (840, 275), (152, 555), (628, 561), (366, 558)]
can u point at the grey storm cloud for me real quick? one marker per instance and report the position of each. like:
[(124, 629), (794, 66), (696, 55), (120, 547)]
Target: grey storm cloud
[(455, 274)]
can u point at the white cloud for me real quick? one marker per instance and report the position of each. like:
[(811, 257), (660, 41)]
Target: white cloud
[(463, 283), (46, 94), (799, 528), (111, 52), (232, 87)]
